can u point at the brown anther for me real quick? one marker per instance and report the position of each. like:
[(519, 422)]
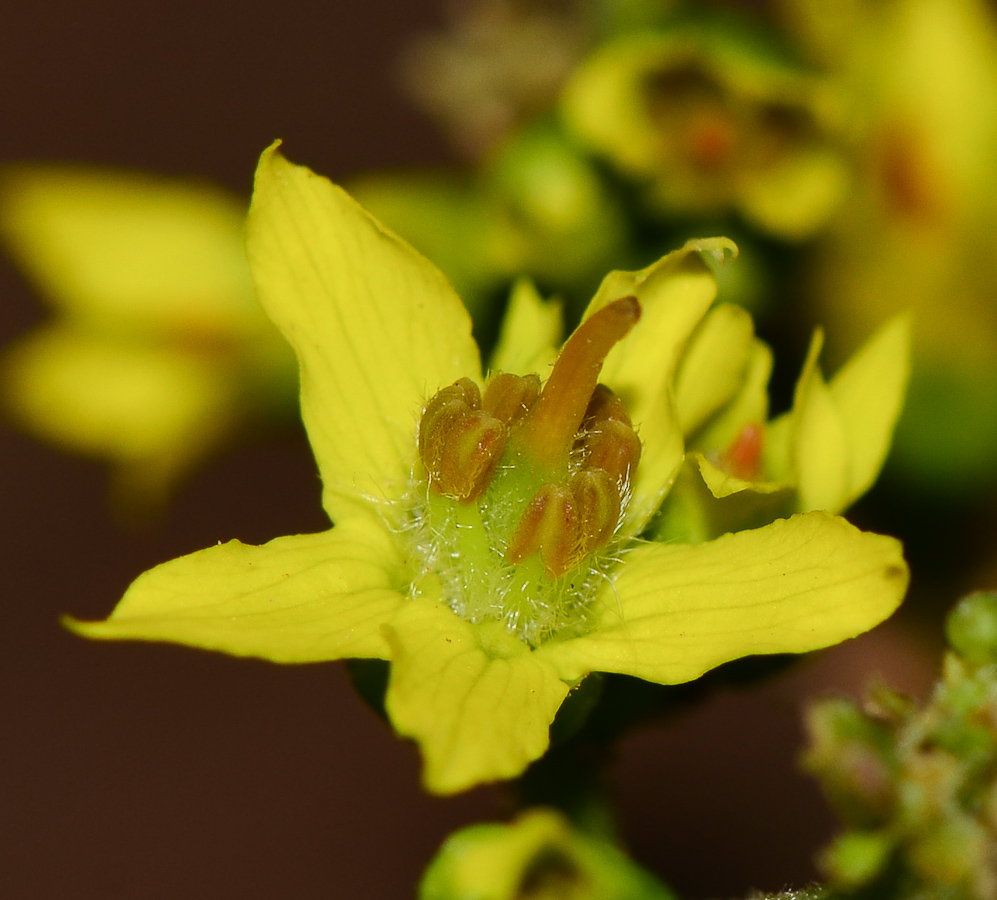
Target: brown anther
[(597, 500), (443, 412), (510, 397), (549, 526), (743, 457), (463, 390), (469, 457), (604, 405), (460, 445), (548, 431), (614, 447)]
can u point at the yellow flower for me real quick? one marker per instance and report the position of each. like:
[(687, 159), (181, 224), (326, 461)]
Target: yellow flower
[(915, 232), (488, 544), (711, 125), (824, 453), (159, 349)]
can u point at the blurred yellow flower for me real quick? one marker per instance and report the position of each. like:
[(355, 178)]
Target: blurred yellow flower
[(158, 350), (711, 125), (916, 232)]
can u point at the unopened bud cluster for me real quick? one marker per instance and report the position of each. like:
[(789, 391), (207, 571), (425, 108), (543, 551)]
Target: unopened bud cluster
[(917, 787), (526, 482)]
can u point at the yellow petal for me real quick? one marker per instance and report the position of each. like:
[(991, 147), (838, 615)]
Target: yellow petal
[(132, 252), (675, 294), (798, 584), (304, 598), (479, 709), (154, 410), (819, 441), (531, 331), (794, 198), (750, 405), (713, 365), (723, 484), (377, 328), (868, 392)]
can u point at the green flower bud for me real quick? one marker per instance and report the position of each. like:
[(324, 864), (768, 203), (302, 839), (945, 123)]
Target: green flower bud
[(971, 628), (857, 857), (537, 857)]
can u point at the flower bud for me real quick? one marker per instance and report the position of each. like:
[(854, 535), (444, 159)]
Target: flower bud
[(971, 628)]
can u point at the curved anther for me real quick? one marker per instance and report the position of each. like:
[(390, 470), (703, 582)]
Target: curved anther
[(470, 456), (548, 526), (510, 397), (598, 502), (443, 412), (460, 444), (613, 446)]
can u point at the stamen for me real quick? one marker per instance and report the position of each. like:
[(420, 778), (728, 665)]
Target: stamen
[(526, 485), (470, 456), (444, 411), (510, 397), (548, 431), (614, 446), (459, 443), (548, 527), (604, 405), (598, 502)]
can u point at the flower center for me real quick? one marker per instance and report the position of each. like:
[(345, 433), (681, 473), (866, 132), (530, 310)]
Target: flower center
[(525, 486)]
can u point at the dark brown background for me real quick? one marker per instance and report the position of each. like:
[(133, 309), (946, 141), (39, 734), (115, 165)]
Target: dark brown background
[(140, 771)]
